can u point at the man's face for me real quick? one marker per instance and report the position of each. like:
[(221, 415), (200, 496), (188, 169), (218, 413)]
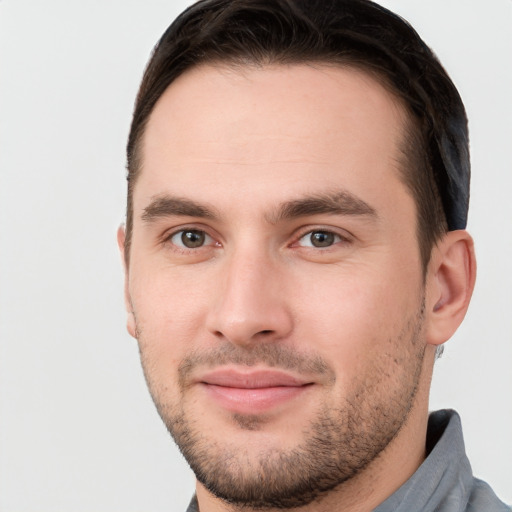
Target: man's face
[(275, 277)]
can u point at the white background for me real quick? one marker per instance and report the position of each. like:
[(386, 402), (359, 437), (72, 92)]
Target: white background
[(78, 431)]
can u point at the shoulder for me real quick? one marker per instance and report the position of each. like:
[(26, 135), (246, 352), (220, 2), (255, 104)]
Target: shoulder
[(483, 499)]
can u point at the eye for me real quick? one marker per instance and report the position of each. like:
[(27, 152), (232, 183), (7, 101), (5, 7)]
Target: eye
[(190, 239), (319, 239)]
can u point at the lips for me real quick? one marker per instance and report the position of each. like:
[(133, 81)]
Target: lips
[(252, 392)]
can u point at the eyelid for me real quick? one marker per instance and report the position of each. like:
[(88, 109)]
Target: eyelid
[(343, 234), (170, 233), (207, 239)]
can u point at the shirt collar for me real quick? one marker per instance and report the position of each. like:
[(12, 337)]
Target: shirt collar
[(443, 482)]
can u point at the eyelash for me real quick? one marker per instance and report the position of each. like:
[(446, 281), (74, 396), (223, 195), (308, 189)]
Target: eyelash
[(168, 239), (337, 239)]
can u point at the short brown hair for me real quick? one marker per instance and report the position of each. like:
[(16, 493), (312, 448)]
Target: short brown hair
[(357, 33)]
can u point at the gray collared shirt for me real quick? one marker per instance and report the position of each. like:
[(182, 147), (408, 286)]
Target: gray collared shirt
[(444, 482)]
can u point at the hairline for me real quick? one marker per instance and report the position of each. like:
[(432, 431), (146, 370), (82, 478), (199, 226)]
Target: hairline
[(405, 164)]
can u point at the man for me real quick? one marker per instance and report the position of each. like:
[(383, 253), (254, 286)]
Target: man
[(296, 255)]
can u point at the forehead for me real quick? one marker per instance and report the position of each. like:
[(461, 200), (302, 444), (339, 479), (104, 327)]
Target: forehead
[(272, 127)]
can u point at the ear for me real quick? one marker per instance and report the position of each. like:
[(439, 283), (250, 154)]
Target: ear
[(130, 320), (450, 282)]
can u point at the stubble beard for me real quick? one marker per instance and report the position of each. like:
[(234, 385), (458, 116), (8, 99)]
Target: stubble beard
[(338, 444)]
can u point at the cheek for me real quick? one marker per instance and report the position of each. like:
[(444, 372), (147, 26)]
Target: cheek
[(170, 311), (351, 317)]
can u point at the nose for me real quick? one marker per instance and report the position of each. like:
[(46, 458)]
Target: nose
[(251, 305)]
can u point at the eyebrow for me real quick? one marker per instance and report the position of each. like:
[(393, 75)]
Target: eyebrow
[(337, 203), (169, 206)]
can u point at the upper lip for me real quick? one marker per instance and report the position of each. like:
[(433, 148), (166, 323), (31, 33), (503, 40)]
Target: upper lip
[(254, 379)]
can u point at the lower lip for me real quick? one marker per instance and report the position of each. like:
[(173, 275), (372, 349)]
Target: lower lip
[(254, 400)]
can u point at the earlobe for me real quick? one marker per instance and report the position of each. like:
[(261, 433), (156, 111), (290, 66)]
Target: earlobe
[(121, 236), (130, 324), (130, 319), (450, 283)]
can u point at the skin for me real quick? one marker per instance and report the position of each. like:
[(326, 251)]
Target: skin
[(356, 320)]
